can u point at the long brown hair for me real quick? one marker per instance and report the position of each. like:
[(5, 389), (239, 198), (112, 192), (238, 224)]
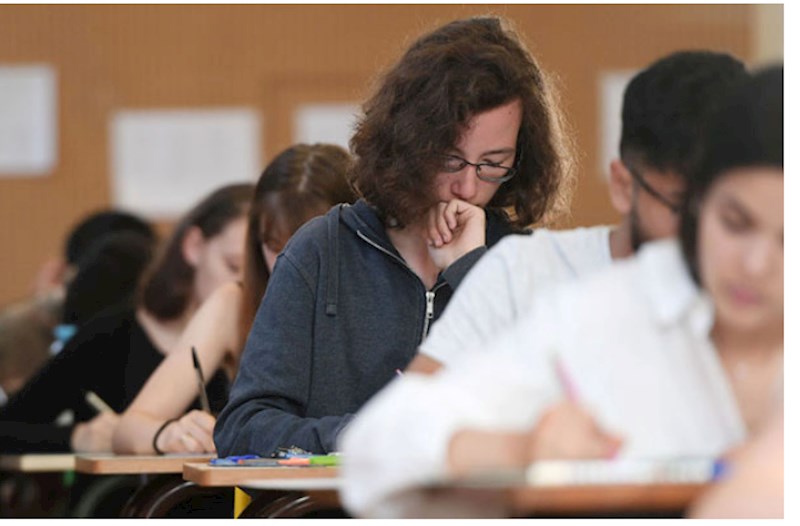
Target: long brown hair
[(424, 104), (167, 286), (302, 182)]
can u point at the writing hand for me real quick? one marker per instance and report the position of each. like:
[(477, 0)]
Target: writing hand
[(567, 431), (95, 435), (192, 433)]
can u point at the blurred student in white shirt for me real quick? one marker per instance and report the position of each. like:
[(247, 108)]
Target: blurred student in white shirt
[(675, 352), (664, 109)]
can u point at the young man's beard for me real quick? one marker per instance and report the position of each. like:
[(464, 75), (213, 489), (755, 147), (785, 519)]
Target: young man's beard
[(638, 236)]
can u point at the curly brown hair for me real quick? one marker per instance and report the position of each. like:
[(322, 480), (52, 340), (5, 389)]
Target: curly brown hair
[(425, 102)]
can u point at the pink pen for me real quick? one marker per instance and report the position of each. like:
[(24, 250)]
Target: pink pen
[(566, 383)]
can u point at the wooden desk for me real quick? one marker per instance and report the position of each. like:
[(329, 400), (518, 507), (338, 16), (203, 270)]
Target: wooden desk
[(204, 474), (38, 462), (110, 464), (282, 491), (605, 500)]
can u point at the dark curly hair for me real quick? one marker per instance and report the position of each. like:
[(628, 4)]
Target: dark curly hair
[(745, 131), (424, 103)]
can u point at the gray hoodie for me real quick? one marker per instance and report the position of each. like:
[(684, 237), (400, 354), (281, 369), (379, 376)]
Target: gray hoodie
[(341, 314)]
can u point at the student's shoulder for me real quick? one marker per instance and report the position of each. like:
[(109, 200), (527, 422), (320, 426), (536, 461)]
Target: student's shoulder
[(311, 240), (111, 319), (624, 285), (336, 228), (545, 244), (101, 332)]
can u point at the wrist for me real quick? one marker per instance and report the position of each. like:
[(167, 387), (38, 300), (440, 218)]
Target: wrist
[(158, 434), (75, 437), (473, 450)]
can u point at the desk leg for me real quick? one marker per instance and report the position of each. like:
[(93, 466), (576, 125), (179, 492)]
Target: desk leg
[(285, 505), (263, 502), (160, 494)]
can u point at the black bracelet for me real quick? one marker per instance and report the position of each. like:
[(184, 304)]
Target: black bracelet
[(160, 429)]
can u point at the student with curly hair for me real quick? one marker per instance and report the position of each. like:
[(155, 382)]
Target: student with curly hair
[(665, 108), (460, 145)]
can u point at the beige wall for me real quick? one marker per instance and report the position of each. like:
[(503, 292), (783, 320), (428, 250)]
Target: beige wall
[(273, 57), (768, 34)]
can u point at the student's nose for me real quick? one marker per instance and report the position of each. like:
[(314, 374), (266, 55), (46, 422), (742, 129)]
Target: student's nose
[(465, 184)]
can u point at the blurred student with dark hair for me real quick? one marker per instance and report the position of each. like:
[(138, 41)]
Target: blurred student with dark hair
[(461, 128), (28, 328), (302, 182), (676, 352), (115, 353), (664, 111)]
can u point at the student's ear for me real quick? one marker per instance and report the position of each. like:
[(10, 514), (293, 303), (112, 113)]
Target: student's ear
[(192, 246), (620, 187)]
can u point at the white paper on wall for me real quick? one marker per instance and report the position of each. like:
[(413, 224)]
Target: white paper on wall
[(612, 90), (165, 161), (28, 120), (330, 123)]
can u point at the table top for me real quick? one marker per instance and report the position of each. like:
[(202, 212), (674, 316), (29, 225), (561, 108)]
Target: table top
[(106, 464), (38, 462), (604, 499), (204, 474), (591, 488)]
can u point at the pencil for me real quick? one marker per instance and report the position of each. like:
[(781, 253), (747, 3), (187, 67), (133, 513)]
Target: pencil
[(97, 403), (201, 383)]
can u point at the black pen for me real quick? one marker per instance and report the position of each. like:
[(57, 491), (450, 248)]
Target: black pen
[(201, 383)]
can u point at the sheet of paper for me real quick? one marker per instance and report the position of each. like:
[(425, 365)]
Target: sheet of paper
[(165, 161), (28, 120), (611, 91), (330, 123)]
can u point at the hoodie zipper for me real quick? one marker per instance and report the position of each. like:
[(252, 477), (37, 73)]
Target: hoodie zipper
[(430, 295)]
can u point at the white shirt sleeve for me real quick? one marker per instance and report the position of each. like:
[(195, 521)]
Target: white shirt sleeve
[(483, 304), (399, 441), (501, 287)]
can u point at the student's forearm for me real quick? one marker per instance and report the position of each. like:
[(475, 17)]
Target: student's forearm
[(241, 432), (134, 434), (473, 450)]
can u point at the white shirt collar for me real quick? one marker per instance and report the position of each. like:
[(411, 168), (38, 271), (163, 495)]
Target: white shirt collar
[(670, 289)]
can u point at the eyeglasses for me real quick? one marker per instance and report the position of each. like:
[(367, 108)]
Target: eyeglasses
[(489, 172), (661, 198)]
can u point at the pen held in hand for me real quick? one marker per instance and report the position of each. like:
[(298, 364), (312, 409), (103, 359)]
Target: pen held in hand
[(97, 403), (567, 385), (201, 382)]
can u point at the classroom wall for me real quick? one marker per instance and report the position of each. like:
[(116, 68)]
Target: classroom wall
[(273, 57)]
